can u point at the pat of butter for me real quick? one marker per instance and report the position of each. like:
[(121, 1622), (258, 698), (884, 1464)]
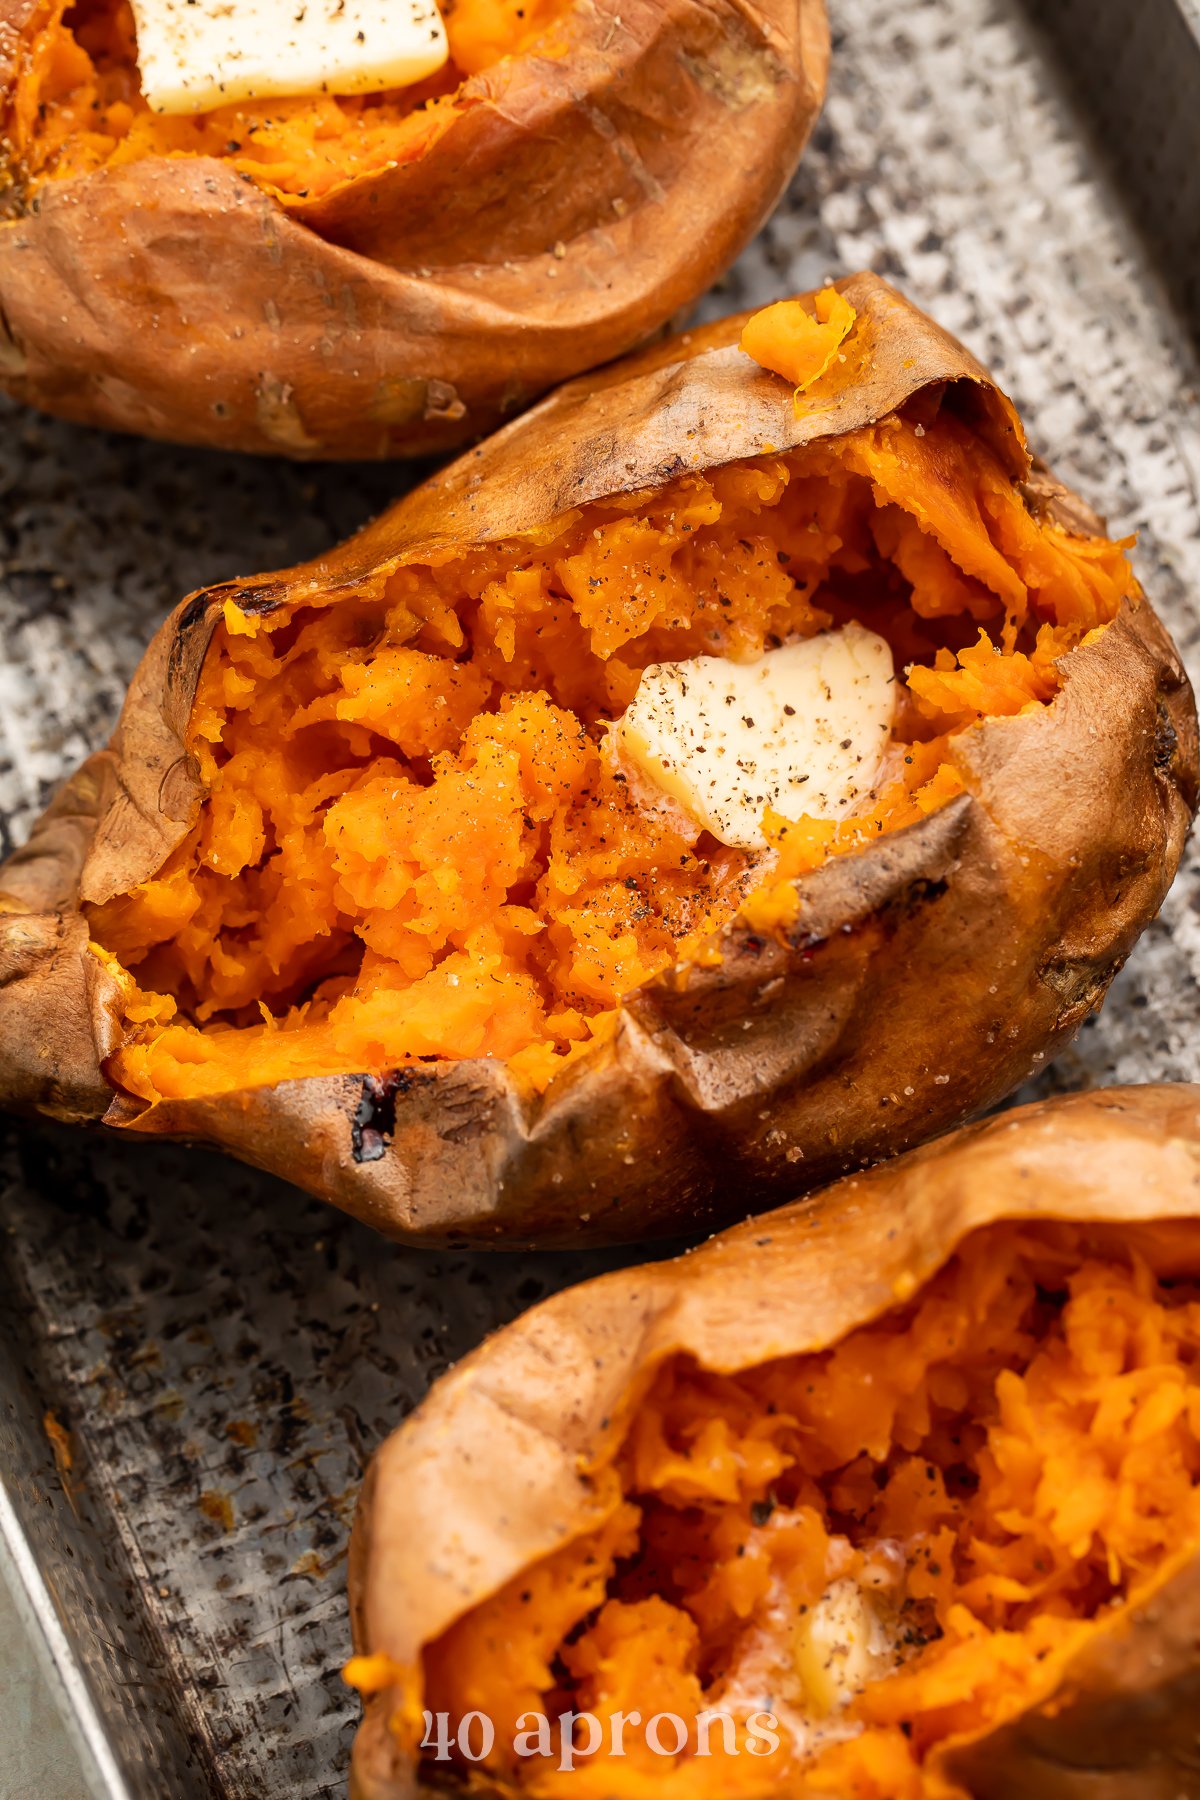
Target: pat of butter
[(841, 1645), (802, 729), (194, 55)]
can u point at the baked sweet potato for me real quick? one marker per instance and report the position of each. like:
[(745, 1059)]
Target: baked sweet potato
[(358, 893), (382, 275), (905, 1477)]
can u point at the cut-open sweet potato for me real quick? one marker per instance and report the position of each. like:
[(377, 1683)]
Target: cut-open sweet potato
[(387, 274), (363, 892), (901, 1483)]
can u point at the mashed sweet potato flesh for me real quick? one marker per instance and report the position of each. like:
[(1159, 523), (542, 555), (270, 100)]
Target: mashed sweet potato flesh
[(991, 1468), (78, 104), (415, 845)]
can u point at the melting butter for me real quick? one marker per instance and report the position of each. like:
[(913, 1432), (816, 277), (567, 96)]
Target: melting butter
[(841, 1645), (801, 729), (195, 55)]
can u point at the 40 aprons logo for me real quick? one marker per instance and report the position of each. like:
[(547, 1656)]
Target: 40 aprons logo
[(571, 1736)]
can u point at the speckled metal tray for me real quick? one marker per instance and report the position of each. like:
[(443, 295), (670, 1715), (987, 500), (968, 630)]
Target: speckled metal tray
[(196, 1361)]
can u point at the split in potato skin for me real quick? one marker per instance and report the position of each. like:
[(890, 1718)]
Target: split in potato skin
[(78, 106), (886, 1545), (414, 845)]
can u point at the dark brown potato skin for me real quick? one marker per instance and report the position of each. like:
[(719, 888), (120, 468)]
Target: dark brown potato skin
[(506, 1433), (417, 307), (924, 978)]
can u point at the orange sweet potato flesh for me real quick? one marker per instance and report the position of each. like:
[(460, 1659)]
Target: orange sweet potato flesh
[(965, 1382), (355, 894), (393, 275)]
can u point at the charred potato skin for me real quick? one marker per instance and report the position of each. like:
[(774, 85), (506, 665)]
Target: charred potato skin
[(411, 310), (514, 1426), (924, 978)]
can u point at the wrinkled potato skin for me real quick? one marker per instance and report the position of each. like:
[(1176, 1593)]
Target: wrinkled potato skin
[(510, 1428), (413, 309), (924, 978)]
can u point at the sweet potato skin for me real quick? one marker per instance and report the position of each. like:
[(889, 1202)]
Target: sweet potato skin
[(509, 1430), (412, 309), (923, 979)]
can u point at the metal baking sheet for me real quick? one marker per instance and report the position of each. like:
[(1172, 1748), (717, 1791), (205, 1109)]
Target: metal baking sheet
[(196, 1359)]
